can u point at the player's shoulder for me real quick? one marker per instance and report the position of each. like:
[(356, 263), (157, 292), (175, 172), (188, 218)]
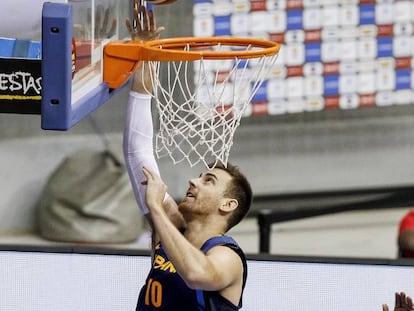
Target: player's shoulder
[(223, 246)]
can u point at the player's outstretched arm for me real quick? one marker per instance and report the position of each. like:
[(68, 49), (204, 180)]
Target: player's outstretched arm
[(138, 131)]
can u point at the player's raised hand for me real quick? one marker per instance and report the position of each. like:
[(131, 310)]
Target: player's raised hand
[(144, 26), (156, 189)]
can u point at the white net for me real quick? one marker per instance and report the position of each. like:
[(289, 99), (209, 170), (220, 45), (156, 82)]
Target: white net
[(200, 104)]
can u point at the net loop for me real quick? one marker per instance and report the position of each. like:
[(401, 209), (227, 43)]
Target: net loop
[(201, 102)]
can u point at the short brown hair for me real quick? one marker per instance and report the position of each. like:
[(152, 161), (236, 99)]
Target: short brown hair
[(239, 189)]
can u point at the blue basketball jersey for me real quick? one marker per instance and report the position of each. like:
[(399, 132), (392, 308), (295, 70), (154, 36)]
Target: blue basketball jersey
[(165, 290)]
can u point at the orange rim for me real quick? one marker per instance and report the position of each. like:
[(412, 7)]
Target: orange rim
[(122, 57), (173, 48)]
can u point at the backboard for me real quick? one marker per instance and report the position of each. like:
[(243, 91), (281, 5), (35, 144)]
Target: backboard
[(73, 36)]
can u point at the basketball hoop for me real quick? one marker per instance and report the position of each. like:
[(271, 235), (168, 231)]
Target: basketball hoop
[(201, 87)]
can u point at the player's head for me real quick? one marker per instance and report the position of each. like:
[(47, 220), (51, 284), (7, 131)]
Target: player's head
[(221, 190), (239, 189)]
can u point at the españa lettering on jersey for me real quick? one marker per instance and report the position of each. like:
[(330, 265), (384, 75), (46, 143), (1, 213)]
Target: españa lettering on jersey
[(165, 290), (163, 264)]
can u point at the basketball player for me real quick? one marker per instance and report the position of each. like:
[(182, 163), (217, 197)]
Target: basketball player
[(195, 266)]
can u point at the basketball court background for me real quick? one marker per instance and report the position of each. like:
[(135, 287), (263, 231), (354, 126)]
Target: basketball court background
[(294, 149), (303, 151)]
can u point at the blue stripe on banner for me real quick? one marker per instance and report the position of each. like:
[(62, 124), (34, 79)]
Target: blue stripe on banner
[(21, 48), (222, 26), (294, 19), (384, 46), (242, 63), (313, 52), (367, 14), (261, 94), (35, 50), (7, 47), (403, 79), (331, 85)]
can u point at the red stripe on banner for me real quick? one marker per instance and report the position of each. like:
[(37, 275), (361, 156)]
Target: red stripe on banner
[(366, 1), (294, 4), (313, 35), (277, 37), (260, 108), (385, 30), (294, 71), (332, 102), (257, 5), (225, 110), (331, 68), (221, 76), (403, 63), (367, 100)]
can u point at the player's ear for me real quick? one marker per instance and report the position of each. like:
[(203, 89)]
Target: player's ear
[(229, 205)]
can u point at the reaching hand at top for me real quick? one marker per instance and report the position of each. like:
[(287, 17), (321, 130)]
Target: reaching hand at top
[(402, 303), (144, 28)]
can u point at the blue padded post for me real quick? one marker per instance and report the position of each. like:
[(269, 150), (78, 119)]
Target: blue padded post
[(56, 66)]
